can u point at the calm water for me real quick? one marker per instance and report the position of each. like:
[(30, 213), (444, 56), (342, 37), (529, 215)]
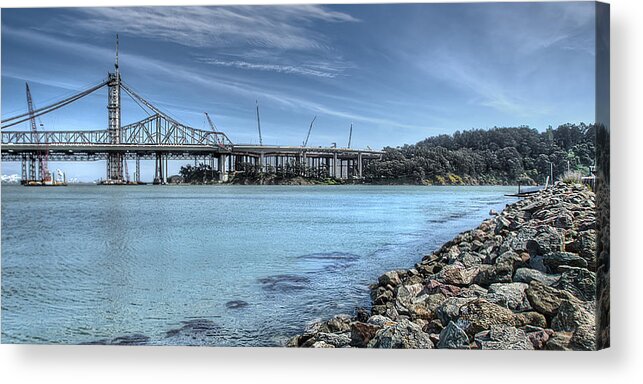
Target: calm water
[(173, 265)]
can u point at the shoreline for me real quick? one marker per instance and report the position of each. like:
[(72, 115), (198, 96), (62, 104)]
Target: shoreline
[(524, 279)]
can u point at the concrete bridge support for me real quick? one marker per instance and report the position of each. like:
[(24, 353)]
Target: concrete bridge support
[(137, 174), (23, 162), (335, 173), (160, 172), (223, 172)]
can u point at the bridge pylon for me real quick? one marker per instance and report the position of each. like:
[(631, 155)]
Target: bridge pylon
[(114, 159)]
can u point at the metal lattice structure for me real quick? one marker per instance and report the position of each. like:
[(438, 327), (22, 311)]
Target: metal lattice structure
[(157, 130), (154, 131)]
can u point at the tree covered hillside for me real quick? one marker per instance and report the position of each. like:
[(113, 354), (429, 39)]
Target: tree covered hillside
[(495, 156)]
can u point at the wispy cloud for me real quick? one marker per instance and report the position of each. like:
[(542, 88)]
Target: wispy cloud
[(326, 71), (224, 84), (278, 27)]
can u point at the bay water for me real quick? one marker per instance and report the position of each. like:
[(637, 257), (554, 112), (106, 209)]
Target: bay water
[(211, 265)]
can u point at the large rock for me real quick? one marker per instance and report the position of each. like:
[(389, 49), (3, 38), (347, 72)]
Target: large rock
[(532, 318), (585, 246), (503, 337), (579, 282), (321, 344), (362, 333), (391, 278), (405, 295), (544, 299), (555, 260), (509, 295), (513, 259), (572, 317), (538, 336), (559, 341), (380, 321), (453, 337), (337, 340), (317, 327), (498, 273), (339, 323), (527, 275), (480, 315), (537, 241), (404, 334), (471, 259), (450, 309), (547, 240), (457, 275), (564, 220), (473, 291)]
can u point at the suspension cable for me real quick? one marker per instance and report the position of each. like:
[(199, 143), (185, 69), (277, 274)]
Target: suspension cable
[(147, 103), (51, 107), (136, 101)]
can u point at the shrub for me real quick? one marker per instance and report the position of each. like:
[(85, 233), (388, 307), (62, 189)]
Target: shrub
[(572, 177)]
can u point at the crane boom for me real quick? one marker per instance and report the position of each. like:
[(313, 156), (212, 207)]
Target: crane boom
[(32, 117), (259, 125), (350, 136), (42, 160), (309, 130), (214, 129)]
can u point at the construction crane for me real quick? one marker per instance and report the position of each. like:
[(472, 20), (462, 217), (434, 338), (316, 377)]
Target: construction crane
[(259, 124), (42, 160), (214, 129), (350, 136), (309, 130)]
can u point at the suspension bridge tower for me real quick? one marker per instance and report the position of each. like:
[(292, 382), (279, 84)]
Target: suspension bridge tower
[(114, 159)]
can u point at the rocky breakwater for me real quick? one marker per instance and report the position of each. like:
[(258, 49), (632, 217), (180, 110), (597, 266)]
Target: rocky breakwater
[(524, 279)]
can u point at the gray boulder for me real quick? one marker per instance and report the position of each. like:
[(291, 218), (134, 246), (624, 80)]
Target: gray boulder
[(527, 275), (339, 323), (564, 220), (503, 337), (337, 340), (457, 274), (321, 344), (547, 240), (509, 295), (572, 317), (450, 309), (498, 273), (480, 315), (453, 337), (380, 321), (555, 260), (404, 334), (546, 300), (559, 341), (579, 282), (391, 278), (585, 246)]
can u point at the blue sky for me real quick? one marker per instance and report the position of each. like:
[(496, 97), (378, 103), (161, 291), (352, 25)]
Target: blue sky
[(398, 72)]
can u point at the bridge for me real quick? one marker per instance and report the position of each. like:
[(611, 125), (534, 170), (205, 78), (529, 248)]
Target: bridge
[(160, 137)]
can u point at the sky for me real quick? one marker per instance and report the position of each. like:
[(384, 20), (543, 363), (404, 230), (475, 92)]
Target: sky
[(398, 72)]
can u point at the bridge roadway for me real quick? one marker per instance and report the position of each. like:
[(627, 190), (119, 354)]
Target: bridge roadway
[(228, 159)]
